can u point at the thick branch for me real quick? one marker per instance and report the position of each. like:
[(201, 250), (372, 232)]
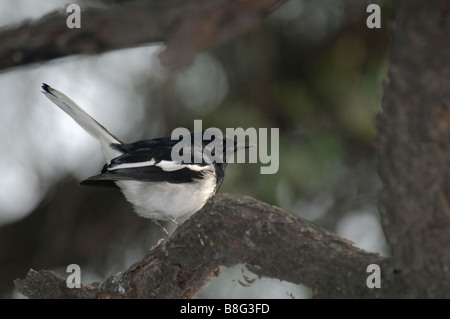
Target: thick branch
[(48, 284), (230, 230), (186, 26)]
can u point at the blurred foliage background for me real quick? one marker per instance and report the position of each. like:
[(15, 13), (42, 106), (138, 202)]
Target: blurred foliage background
[(313, 69)]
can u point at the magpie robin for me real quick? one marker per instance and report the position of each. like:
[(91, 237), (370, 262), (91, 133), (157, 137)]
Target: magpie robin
[(157, 186)]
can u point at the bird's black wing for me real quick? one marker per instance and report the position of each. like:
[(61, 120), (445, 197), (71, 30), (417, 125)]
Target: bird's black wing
[(145, 161), (143, 174)]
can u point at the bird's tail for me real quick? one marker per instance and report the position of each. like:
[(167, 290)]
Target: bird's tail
[(84, 120)]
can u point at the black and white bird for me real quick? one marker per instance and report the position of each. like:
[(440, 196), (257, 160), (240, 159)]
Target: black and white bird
[(157, 186)]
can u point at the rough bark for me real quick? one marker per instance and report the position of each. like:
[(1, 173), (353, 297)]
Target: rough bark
[(414, 149), (229, 230)]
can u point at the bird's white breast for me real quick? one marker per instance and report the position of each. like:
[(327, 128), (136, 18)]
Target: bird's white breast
[(162, 200)]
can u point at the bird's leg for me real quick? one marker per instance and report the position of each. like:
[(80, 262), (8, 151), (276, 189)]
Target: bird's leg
[(166, 233), (173, 220)]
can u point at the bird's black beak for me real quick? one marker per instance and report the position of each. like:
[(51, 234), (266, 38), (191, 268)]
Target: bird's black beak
[(239, 146)]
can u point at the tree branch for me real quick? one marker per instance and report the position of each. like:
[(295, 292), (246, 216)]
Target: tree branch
[(185, 26), (230, 230)]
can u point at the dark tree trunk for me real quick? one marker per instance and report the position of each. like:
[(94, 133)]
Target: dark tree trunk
[(414, 149)]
